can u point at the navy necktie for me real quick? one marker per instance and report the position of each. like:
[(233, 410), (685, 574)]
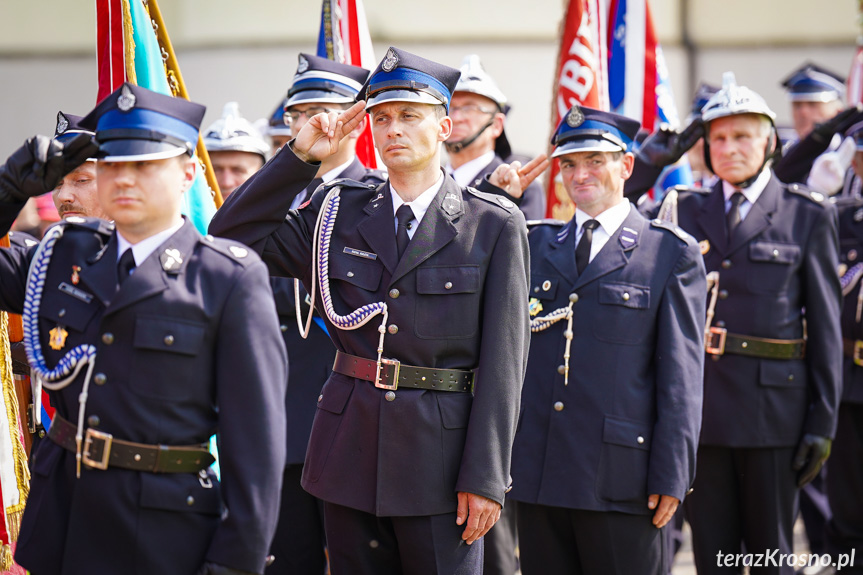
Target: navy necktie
[(404, 215), (125, 265), (732, 218), (582, 251)]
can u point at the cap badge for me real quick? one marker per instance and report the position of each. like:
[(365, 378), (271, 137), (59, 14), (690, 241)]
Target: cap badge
[(127, 99), (303, 65), (575, 117), (62, 123), (390, 61)]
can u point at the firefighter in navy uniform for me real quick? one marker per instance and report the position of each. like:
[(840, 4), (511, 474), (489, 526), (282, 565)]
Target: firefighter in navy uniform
[(770, 397), (410, 446), (605, 449), (151, 338)]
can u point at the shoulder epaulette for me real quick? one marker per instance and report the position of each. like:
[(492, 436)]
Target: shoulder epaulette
[(673, 228), (546, 222), (349, 183), (93, 224), (495, 199), (680, 188), (807, 193), (234, 250)]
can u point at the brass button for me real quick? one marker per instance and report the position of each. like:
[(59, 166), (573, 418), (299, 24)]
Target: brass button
[(790, 377), (852, 255), (625, 296), (374, 544), (393, 329), (775, 254), (93, 421), (190, 500), (283, 327), (447, 285), (169, 339), (350, 274), (62, 312), (536, 289), (546, 285), (573, 298), (100, 379), (561, 369), (744, 345), (320, 398), (108, 338), (639, 439), (558, 406), (394, 293), (390, 396), (726, 264), (723, 294)]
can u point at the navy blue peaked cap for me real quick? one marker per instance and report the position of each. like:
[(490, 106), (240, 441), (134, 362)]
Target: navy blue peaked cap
[(137, 124), (405, 77), (812, 83), (589, 130), (277, 125), (323, 80), (68, 126)]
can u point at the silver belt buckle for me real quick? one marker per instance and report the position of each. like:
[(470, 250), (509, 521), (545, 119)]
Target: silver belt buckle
[(107, 439), (395, 379)]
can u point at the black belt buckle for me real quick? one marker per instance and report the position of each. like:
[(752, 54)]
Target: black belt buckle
[(858, 352), (715, 345), (106, 439), (388, 370)]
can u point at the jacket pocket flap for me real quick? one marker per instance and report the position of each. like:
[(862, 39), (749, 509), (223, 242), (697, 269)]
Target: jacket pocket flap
[(169, 334), (454, 409), (543, 287), (180, 492), (782, 373), (774, 252), (448, 279), (626, 295), (335, 394), (626, 432), (68, 312), (363, 274)]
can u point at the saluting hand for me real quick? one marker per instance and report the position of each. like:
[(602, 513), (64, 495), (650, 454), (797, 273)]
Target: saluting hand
[(321, 135), (481, 513), (665, 506), (514, 178)]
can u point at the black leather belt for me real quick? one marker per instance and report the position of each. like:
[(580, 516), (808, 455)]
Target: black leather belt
[(853, 348), (394, 374), (101, 449), (719, 342)]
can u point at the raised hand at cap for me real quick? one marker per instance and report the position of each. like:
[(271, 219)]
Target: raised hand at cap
[(514, 178), (666, 146), (321, 135), (38, 166), (838, 123)]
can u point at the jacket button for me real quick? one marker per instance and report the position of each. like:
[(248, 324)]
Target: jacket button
[(108, 338), (283, 327), (393, 329), (561, 369), (350, 274), (61, 313), (100, 379), (790, 377), (573, 298), (726, 264), (639, 439), (320, 398), (447, 285), (169, 340), (536, 289), (394, 293), (190, 500), (374, 544), (625, 296), (775, 254), (723, 294), (93, 421), (390, 396), (558, 406)]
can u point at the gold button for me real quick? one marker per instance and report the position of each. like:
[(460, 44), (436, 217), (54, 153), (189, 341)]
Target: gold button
[(93, 421), (393, 329), (744, 345), (573, 298), (561, 369), (639, 439), (61, 313), (394, 293), (320, 398), (726, 264), (558, 406), (100, 379), (790, 377), (625, 296), (108, 338), (169, 339), (723, 294), (283, 327), (546, 285), (350, 274), (390, 396), (190, 500), (447, 285)]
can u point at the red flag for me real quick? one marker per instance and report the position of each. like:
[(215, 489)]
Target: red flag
[(580, 79), (110, 49)]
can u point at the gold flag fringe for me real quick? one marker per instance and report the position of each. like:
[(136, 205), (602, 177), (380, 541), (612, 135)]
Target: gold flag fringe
[(10, 401), (129, 43), (6, 560)]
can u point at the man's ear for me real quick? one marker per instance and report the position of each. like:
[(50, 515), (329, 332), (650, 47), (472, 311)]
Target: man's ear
[(445, 129), (190, 166), (627, 165)]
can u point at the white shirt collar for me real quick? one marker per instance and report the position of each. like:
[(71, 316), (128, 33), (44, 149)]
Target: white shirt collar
[(144, 248), (467, 172), (609, 220), (335, 172), (751, 193), (420, 205)]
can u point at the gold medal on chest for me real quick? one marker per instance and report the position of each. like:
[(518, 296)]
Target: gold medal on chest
[(705, 246), (57, 339), (75, 277)]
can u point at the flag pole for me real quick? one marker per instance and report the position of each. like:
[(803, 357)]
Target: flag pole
[(178, 87)]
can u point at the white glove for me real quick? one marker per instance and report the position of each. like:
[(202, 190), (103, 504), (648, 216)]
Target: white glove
[(828, 170)]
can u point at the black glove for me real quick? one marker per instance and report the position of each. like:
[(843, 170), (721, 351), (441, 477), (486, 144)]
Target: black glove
[(38, 166), (812, 452), (214, 569), (838, 124), (665, 146)]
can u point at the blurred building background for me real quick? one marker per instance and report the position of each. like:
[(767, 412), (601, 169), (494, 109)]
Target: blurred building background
[(245, 50)]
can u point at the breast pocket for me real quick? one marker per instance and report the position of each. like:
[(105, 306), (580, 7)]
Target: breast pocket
[(67, 311), (772, 263), (356, 271), (543, 287), (623, 313), (448, 303), (166, 362)]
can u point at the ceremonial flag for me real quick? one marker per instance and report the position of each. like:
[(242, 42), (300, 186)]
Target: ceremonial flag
[(128, 50), (344, 37), (855, 76)]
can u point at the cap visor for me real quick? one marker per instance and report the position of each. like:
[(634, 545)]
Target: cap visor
[(823, 97), (403, 96), (586, 145), (318, 96), (137, 151)]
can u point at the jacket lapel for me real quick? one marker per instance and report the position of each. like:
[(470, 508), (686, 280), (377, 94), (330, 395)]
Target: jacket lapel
[(379, 228), (100, 275), (758, 218), (711, 219), (562, 253), (615, 253)]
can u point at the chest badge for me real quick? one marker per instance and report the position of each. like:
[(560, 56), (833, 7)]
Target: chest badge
[(75, 277), (534, 306), (171, 259), (705, 246), (57, 338)]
